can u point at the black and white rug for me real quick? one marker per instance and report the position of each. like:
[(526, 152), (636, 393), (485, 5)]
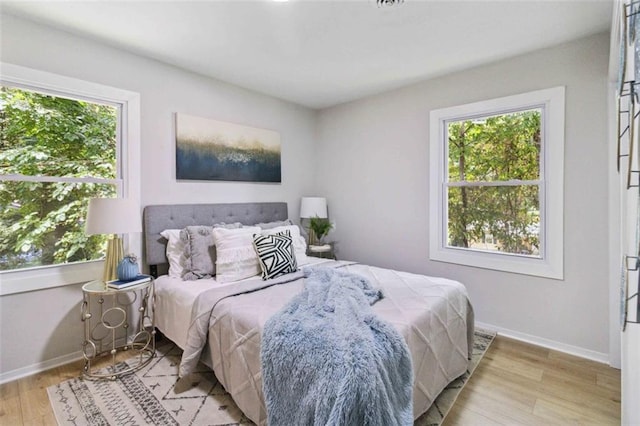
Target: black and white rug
[(147, 397)]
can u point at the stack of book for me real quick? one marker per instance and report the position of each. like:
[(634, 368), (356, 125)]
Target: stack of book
[(118, 284)]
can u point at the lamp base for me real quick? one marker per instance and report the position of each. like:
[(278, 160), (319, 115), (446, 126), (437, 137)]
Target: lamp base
[(115, 253), (313, 240)]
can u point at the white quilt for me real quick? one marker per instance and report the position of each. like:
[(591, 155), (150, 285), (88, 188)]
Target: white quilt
[(432, 314)]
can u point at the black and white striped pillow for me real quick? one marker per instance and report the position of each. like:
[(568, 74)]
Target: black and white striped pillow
[(276, 254)]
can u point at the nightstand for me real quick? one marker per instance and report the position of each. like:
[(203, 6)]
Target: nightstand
[(326, 252), (116, 321)]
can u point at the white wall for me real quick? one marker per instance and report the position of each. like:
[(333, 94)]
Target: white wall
[(374, 170), (40, 327), (372, 164), (631, 376)]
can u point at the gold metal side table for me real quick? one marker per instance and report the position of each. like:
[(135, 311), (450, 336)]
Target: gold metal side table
[(115, 321)]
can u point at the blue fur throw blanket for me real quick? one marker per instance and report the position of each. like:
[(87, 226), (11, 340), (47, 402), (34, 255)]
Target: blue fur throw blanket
[(327, 359)]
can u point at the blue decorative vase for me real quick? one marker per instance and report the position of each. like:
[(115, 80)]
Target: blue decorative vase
[(128, 268)]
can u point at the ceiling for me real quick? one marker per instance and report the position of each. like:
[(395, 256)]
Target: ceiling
[(322, 53)]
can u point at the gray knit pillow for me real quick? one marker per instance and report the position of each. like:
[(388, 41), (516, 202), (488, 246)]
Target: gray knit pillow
[(200, 250), (279, 223)]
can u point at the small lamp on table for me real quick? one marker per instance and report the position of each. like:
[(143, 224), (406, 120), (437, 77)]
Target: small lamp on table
[(113, 216)]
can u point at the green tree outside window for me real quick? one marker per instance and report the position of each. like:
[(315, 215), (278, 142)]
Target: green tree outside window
[(493, 183), (55, 154)]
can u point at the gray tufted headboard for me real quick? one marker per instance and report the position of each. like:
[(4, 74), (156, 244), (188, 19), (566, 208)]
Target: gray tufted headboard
[(177, 216)]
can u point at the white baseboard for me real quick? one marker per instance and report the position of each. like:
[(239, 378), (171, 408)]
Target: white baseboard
[(546, 343), (19, 373), (528, 338)]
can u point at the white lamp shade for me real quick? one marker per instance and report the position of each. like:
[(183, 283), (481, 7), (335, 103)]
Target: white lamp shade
[(113, 216), (313, 207)]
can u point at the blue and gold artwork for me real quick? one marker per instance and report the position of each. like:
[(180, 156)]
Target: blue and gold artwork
[(208, 149)]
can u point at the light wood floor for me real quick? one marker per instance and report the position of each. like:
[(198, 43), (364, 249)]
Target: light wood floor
[(518, 383), (515, 383)]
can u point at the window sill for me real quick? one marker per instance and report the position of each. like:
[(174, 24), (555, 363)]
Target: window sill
[(549, 268), (33, 279)]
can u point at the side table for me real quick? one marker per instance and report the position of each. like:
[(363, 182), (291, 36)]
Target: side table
[(117, 320), (326, 251)]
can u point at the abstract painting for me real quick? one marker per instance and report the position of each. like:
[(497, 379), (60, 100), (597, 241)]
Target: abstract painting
[(215, 150)]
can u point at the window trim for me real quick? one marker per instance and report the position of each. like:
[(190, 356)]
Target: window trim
[(43, 277), (551, 262)]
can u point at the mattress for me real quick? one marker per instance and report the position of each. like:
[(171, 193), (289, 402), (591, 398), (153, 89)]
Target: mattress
[(432, 314)]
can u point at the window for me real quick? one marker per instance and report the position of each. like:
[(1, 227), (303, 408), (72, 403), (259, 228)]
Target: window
[(62, 141), (497, 183), (55, 154)]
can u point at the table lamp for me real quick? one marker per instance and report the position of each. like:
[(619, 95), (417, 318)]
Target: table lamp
[(113, 216), (313, 207)]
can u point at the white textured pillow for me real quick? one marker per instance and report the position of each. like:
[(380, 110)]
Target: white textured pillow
[(175, 252), (236, 257), (299, 243)]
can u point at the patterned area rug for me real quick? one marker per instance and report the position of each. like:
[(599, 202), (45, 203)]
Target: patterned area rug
[(147, 397)]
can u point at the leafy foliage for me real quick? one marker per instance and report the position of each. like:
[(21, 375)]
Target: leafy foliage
[(320, 227), (499, 148), (42, 221)]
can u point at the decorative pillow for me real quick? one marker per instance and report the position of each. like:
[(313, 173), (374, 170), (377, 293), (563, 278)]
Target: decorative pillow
[(279, 223), (200, 250), (175, 252), (299, 242), (270, 225), (276, 254), (236, 257)]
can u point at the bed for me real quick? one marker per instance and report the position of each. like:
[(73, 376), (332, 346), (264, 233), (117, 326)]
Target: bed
[(433, 315)]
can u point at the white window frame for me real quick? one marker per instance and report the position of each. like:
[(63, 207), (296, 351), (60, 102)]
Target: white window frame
[(551, 262), (42, 277)]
